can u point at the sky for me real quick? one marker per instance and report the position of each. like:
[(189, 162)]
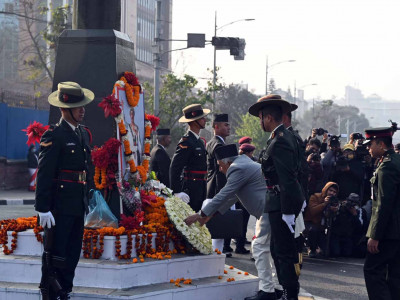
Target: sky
[(334, 42)]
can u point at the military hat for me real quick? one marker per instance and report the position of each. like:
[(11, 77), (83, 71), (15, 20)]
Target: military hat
[(247, 147), (245, 140), (163, 131), (293, 106), (221, 118), (226, 151), (193, 112), (380, 132), (69, 95), (271, 99)]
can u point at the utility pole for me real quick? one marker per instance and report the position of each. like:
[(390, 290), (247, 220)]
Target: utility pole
[(348, 129), (339, 124), (215, 63), (157, 60)]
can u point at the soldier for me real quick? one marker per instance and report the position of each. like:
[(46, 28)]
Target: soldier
[(61, 189), (188, 171), (382, 263), (284, 200), (160, 161)]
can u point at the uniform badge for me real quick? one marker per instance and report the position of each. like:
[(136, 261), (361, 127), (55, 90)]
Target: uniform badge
[(281, 133), (71, 144)]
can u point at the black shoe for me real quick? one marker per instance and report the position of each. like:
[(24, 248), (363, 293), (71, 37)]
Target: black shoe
[(247, 242), (228, 254), (261, 295), (290, 295), (252, 258), (227, 249), (242, 251)]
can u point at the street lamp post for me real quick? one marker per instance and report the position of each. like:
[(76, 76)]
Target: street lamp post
[(269, 67), (215, 49)]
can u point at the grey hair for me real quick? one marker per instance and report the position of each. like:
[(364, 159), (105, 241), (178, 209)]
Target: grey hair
[(228, 159)]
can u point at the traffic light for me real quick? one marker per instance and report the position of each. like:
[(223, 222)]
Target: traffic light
[(242, 45), (220, 43)]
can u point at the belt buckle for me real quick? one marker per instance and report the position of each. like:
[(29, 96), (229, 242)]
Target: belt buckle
[(82, 176)]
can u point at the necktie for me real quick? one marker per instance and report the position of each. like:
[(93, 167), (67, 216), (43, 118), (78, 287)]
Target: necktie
[(78, 132)]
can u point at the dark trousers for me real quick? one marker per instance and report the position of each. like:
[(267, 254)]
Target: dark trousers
[(284, 253), (197, 193), (66, 250), (341, 245), (315, 236), (382, 271), (240, 242)]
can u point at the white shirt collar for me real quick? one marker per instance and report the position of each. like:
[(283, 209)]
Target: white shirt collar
[(72, 126), (195, 134), (221, 138)]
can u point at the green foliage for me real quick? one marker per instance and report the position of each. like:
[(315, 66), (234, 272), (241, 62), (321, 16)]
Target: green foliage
[(59, 16), (235, 101), (175, 94), (251, 126)]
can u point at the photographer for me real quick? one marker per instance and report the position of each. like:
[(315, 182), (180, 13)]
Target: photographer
[(314, 216), (329, 160), (397, 148), (315, 173), (321, 132), (345, 225), (348, 172)]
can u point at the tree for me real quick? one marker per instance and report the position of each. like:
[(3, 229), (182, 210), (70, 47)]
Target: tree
[(38, 40), (250, 126), (175, 94), (326, 114), (235, 101)]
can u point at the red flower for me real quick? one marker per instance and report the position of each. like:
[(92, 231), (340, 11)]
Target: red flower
[(131, 78), (34, 132), (65, 98), (155, 121), (147, 199), (111, 106)]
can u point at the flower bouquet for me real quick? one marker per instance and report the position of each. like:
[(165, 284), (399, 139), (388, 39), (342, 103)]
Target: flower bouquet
[(198, 236)]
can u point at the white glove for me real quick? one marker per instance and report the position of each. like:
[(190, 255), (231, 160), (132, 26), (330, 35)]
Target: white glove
[(46, 219), (304, 206), (289, 220), (183, 196)]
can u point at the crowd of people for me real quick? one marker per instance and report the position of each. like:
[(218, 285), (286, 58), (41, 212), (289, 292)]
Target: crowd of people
[(321, 179)]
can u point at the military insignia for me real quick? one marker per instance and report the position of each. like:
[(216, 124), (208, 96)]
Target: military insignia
[(281, 133), (183, 147), (198, 148), (43, 144), (71, 144), (272, 135)]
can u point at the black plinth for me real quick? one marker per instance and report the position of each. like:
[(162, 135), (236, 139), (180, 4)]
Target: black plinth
[(95, 59)]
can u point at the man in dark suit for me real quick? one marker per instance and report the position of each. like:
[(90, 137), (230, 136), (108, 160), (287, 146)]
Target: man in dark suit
[(284, 200), (160, 161), (382, 263), (188, 170), (61, 193)]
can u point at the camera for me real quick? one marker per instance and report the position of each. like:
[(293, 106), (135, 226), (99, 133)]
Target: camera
[(334, 141), (357, 136), (320, 131), (361, 151), (315, 157), (333, 201)]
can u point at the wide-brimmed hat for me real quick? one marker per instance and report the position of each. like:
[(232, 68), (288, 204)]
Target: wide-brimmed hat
[(271, 99), (69, 95), (293, 106), (193, 112)]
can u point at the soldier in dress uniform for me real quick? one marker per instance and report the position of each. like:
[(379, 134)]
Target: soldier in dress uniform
[(61, 193), (382, 263), (284, 200), (160, 161), (188, 170)]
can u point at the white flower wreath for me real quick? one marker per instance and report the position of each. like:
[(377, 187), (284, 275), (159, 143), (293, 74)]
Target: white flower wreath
[(198, 236)]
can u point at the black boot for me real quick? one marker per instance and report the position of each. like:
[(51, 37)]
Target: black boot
[(261, 295), (45, 294)]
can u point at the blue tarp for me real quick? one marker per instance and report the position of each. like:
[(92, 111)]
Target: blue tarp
[(12, 121)]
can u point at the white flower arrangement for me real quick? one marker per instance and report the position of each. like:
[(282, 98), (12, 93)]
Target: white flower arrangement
[(198, 236)]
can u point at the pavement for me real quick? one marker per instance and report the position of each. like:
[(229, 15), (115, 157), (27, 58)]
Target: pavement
[(17, 197)]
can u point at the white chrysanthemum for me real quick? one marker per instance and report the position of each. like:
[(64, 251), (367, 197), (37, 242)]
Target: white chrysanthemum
[(198, 236)]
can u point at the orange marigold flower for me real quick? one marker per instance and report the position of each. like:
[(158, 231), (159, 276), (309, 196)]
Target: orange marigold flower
[(231, 267), (135, 260), (219, 277), (171, 281), (225, 272), (239, 272), (245, 273)]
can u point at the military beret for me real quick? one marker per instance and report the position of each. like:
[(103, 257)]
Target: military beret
[(245, 140), (247, 147)]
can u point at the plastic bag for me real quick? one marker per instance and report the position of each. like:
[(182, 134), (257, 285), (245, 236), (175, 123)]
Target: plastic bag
[(99, 215)]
